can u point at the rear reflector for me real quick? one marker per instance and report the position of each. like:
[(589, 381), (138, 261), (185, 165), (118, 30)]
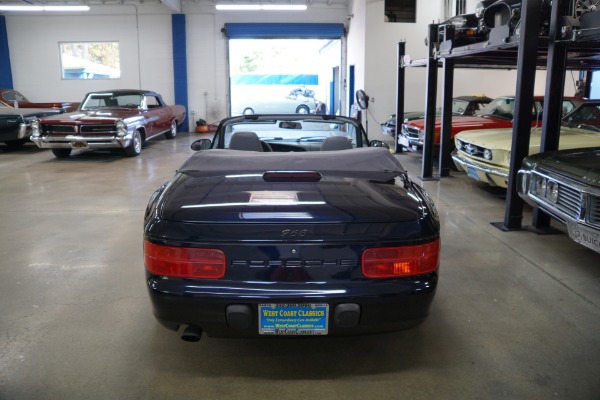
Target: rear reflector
[(184, 262), (390, 262)]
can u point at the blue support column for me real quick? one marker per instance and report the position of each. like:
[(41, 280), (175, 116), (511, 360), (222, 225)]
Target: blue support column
[(6, 81), (180, 64)]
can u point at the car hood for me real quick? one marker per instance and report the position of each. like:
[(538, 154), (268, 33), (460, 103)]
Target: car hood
[(92, 116), (580, 164), (466, 122), (501, 139)]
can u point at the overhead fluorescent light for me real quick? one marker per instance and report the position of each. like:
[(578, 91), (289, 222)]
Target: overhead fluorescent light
[(44, 8), (259, 7)]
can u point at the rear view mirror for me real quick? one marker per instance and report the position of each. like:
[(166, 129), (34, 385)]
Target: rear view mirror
[(290, 125)]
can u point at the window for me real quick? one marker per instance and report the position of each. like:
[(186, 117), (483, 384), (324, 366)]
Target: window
[(400, 10), (90, 60)]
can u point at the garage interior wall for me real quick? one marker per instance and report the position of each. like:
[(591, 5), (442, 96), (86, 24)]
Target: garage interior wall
[(144, 33)]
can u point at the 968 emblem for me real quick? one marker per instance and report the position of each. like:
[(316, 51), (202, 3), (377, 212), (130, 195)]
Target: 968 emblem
[(294, 232)]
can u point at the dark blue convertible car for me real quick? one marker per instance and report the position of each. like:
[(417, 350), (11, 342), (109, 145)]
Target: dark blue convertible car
[(290, 225)]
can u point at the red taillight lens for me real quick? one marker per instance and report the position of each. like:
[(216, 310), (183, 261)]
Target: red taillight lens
[(391, 262), (184, 262)]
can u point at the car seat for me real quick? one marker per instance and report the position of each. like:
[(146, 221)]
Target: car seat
[(336, 143), (247, 141)]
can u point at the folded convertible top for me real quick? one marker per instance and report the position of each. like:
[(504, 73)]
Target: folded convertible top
[(368, 159)]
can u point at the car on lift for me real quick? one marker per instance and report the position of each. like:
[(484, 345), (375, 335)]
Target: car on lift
[(565, 184), (485, 154), (14, 99), (15, 123), (461, 105), (497, 114), (112, 119), (287, 225)]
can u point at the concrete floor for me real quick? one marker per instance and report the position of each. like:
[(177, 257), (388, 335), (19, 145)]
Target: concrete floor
[(516, 316)]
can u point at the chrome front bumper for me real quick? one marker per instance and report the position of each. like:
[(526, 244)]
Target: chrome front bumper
[(409, 142), (80, 142), (481, 172)]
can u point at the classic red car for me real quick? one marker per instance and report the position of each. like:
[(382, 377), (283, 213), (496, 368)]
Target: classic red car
[(122, 119), (12, 98), (497, 114)]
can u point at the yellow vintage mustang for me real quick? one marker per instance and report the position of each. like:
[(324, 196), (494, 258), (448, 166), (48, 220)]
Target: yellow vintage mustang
[(485, 154)]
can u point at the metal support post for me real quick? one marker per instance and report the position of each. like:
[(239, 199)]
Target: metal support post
[(526, 66), (400, 95), (432, 67), (446, 128)]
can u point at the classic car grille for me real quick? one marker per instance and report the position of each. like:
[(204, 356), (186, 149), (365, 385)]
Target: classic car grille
[(594, 213), (98, 128), (60, 129), (410, 131), (569, 200), (471, 149)]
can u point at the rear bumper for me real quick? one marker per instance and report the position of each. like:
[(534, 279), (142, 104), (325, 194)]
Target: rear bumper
[(385, 305), (493, 176), (81, 142)]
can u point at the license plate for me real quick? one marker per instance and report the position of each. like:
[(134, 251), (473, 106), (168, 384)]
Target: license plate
[(584, 236), (79, 145), (403, 141), (293, 319), (472, 173)]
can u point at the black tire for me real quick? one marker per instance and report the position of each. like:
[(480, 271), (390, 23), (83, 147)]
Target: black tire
[(302, 109), (248, 111), (135, 147), (172, 132), (61, 153)]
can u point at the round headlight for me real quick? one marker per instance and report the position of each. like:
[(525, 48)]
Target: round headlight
[(487, 154), (552, 193), (121, 128), (459, 145)]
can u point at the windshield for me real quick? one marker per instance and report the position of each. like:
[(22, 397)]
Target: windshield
[(302, 133), (587, 116), (103, 100), (503, 107)]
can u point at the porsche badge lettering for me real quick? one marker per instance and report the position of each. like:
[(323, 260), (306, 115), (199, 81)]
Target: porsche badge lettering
[(294, 232)]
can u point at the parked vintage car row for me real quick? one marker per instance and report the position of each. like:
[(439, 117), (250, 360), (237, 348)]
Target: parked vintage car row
[(461, 105), (113, 119), (496, 114)]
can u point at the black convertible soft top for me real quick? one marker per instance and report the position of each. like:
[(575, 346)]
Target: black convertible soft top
[(368, 159)]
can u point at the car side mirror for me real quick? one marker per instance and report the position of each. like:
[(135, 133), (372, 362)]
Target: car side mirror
[(201, 144), (378, 143)]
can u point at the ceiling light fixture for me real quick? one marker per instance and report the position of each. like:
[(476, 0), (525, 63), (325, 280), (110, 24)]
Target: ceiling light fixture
[(44, 8), (259, 7)]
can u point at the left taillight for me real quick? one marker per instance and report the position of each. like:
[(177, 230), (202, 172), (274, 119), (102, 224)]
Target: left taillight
[(184, 262), (392, 262)]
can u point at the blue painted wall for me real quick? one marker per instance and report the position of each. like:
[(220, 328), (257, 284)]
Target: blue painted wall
[(180, 64), (6, 81)]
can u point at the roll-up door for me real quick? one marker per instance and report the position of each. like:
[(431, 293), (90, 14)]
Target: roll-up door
[(280, 31)]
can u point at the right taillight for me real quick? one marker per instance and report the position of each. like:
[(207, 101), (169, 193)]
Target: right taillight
[(391, 262), (184, 262)]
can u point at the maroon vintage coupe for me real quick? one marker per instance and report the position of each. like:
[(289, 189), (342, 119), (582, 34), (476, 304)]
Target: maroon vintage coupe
[(122, 119)]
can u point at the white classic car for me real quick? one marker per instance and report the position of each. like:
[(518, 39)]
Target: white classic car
[(485, 154)]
